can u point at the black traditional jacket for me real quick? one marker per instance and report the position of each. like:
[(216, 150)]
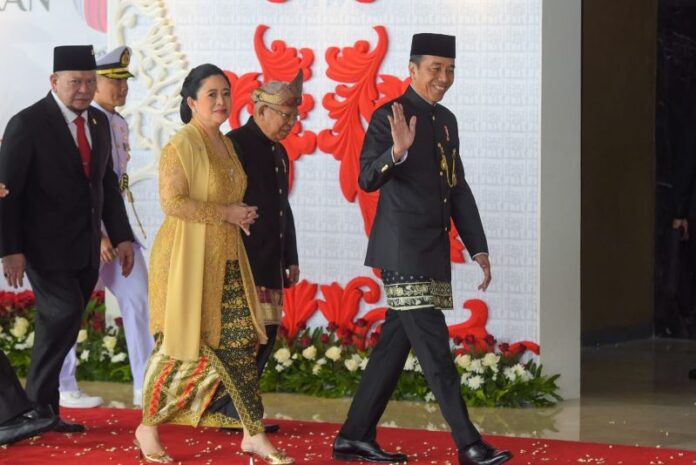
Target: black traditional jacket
[(272, 246), (419, 196)]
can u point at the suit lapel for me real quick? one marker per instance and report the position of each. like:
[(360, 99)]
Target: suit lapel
[(97, 142), (66, 143)]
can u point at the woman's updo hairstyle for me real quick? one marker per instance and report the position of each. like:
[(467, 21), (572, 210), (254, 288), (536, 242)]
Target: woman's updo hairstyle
[(192, 83)]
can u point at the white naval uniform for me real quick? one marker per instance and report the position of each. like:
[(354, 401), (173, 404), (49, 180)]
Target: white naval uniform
[(130, 292)]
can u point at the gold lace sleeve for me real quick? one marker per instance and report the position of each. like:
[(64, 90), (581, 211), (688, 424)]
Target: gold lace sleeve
[(174, 193)]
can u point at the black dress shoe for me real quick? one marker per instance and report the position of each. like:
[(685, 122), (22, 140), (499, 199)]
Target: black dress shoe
[(25, 426), (271, 427), (267, 428), (369, 451), (65, 427), (480, 453)]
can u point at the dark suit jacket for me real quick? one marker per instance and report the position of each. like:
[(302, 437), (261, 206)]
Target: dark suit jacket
[(272, 246), (410, 233), (53, 213)]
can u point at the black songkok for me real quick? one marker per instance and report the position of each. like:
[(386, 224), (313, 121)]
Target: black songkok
[(74, 58), (439, 45)]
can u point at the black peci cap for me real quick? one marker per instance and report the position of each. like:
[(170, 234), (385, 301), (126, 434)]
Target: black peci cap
[(74, 58), (440, 45)]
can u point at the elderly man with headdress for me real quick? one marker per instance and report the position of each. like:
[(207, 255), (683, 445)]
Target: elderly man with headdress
[(272, 247)]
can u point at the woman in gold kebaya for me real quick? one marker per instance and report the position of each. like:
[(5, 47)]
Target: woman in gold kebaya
[(203, 304)]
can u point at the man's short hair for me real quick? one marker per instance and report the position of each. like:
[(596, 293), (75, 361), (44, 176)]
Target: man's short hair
[(416, 59)]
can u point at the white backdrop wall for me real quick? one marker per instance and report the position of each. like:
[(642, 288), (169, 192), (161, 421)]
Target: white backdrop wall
[(496, 97), (29, 29)]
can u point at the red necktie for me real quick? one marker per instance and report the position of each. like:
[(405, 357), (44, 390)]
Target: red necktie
[(82, 144)]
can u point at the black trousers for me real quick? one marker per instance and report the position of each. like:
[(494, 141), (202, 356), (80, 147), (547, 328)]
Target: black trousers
[(13, 400), (224, 404), (426, 331), (60, 301)]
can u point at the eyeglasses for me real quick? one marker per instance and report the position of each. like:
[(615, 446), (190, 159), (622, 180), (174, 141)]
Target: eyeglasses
[(286, 116)]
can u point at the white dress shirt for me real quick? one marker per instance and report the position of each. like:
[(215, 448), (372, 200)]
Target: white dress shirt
[(70, 116)]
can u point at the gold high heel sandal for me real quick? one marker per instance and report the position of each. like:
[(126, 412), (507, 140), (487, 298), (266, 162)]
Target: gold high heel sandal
[(157, 457), (276, 458)]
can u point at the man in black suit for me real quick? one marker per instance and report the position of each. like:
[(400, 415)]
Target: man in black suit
[(411, 154), (15, 424), (56, 160)]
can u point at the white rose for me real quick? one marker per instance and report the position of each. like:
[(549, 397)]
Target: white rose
[(287, 363), (475, 366), (19, 329), (321, 361), (295, 356), (282, 355), (490, 359), (316, 369), (334, 353), (30, 340), (465, 377), (82, 336), (474, 382), (119, 357), (410, 364), (463, 360), (310, 353), (109, 343), (351, 364), (279, 367), (84, 356)]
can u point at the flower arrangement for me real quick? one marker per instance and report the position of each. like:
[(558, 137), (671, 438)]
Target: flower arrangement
[(97, 343), (320, 361), (328, 362)]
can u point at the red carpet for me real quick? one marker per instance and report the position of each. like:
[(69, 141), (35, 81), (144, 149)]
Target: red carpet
[(110, 438)]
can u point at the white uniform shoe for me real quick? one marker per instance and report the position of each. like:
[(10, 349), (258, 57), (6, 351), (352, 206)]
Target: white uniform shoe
[(78, 399), (138, 398)]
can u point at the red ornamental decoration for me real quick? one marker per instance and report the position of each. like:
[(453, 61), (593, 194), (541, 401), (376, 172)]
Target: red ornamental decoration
[(281, 63), (473, 331), (342, 305), (299, 304), (351, 106), (476, 324)]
